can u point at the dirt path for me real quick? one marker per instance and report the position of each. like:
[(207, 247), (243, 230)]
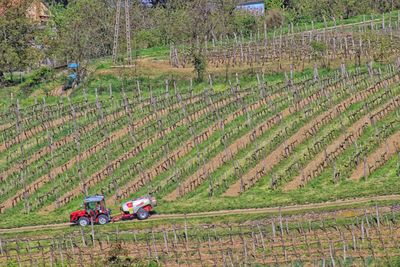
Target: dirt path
[(103, 174), (58, 91), (307, 207), (305, 132), (321, 161), (379, 157)]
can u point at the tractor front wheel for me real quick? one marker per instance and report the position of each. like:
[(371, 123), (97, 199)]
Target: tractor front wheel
[(83, 221), (102, 219), (142, 214)]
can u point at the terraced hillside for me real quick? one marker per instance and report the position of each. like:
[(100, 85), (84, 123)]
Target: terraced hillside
[(238, 147), (260, 139)]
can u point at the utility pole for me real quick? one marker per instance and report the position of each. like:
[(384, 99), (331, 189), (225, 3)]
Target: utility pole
[(127, 31)]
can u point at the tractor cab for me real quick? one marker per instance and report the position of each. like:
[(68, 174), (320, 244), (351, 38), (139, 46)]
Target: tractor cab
[(94, 209), (94, 204)]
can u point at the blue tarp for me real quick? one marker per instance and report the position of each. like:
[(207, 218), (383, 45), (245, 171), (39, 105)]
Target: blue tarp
[(73, 65)]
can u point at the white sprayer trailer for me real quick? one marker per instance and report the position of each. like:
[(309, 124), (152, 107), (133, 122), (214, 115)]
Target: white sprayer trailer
[(139, 208), (95, 210)]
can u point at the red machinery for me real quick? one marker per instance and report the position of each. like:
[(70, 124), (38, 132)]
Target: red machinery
[(95, 209)]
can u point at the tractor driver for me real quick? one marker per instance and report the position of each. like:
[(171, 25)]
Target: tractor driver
[(93, 206)]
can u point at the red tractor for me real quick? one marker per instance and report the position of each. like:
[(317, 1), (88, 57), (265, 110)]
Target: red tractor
[(95, 209)]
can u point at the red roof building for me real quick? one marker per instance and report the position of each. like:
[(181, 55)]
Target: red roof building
[(37, 10)]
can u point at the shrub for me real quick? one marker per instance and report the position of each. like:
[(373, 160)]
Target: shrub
[(37, 77), (200, 64), (245, 22), (274, 18), (148, 38)]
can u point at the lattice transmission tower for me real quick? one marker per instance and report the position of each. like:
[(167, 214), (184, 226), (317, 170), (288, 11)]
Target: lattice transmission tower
[(127, 31)]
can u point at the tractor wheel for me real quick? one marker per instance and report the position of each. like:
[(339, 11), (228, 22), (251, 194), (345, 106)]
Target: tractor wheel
[(102, 219), (83, 221), (142, 214)]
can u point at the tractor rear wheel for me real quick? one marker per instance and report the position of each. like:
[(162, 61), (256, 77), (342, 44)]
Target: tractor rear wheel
[(142, 214), (83, 221), (102, 219)]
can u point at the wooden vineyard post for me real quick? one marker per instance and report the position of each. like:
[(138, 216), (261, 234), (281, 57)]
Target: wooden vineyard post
[(80, 258), (28, 248), (281, 234), (59, 246), (264, 254), (165, 236), (52, 259), (331, 253), (210, 251), (273, 228), (166, 95), (370, 243), (342, 237), (186, 238), (336, 174), (154, 246), (293, 243), (135, 240), (244, 244), (128, 111), (199, 251), (316, 75), (117, 233), (175, 245), (272, 242), (377, 216), (362, 230), (365, 166), (139, 93), (232, 243), (254, 244), (83, 236), (72, 248), (398, 164), (92, 227)]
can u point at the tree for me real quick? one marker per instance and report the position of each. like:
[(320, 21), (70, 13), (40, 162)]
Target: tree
[(157, 2), (201, 26), (82, 30), (54, 2), (18, 45)]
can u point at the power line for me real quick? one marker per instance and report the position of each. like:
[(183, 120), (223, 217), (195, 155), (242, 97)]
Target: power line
[(127, 31)]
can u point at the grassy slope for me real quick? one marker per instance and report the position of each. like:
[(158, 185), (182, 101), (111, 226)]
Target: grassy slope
[(154, 72)]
